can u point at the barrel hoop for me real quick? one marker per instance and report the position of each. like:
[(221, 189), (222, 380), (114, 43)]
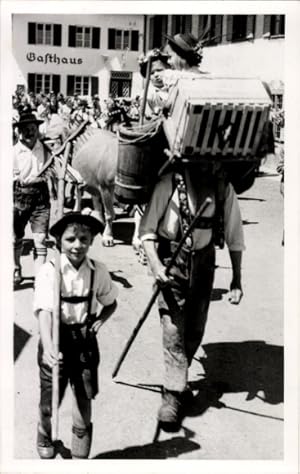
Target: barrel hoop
[(127, 186), (144, 136)]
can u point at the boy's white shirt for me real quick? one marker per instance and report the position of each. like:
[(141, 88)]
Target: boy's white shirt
[(74, 283)]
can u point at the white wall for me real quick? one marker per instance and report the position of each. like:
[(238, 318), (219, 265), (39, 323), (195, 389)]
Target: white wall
[(261, 58)]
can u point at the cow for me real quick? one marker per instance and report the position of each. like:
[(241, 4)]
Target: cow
[(96, 161)]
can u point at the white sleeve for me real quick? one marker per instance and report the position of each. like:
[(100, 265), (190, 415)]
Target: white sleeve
[(156, 208), (44, 292)]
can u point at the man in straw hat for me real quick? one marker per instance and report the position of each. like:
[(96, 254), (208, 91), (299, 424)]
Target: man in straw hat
[(31, 201), (85, 285)]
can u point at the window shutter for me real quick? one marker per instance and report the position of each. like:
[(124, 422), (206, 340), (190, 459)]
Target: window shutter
[(56, 35), (70, 85), (31, 82), (134, 40), (187, 24), (267, 24), (250, 24), (56, 83), (111, 38), (218, 28), (72, 34), (31, 33), (174, 25), (229, 27), (96, 38), (95, 85)]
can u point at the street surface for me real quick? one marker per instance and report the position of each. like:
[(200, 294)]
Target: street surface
[(237, 374)]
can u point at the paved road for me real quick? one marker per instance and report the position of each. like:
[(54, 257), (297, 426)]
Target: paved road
[(238, 413)]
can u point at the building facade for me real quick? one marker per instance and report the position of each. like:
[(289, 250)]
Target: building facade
[(83, 54)]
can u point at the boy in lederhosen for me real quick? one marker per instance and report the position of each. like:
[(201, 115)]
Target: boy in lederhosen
[(84, 284), (31, 199)]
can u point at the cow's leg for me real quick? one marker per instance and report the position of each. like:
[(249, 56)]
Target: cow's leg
[(107, 193), (97, 207)]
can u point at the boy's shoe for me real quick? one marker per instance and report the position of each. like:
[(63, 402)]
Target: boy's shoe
[(45, 447), (17, 276), (170, 411)]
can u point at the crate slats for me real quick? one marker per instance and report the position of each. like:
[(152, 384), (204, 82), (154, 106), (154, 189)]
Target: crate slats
[(218, 117)]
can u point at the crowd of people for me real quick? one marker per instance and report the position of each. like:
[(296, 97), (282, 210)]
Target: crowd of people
[(185, 291), (100, 113)]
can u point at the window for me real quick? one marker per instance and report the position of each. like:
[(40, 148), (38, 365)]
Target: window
[(210, 29), (82, 85), (274, 25), (84, 37), (181, 24), (277, 25), (44, 33), (239, 27), (123, 39), (43, 83), (120, 84), (158, 26)]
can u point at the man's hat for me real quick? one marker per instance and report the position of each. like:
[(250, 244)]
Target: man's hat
[(27, 117), (156, 55), (186, 46), (76, 217)]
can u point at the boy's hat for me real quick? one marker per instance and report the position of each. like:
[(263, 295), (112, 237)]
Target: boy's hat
[(27, 117), (72, 217)]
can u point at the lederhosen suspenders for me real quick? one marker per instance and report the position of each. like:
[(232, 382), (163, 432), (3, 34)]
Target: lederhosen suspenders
[(81, 299)]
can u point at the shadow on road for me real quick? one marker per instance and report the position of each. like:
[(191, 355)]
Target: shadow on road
[(217, 294), (170, 448), (120, 279), (246, 222), (20, 340), (250, 366), (240, 198)]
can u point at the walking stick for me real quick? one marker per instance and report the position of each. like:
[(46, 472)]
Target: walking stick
[(157, 289), (143, 107), (56, 306)]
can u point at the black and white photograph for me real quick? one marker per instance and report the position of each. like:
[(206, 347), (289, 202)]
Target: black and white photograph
[(150, 236)]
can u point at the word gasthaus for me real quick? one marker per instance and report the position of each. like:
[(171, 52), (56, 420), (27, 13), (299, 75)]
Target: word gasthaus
[(52, 58)]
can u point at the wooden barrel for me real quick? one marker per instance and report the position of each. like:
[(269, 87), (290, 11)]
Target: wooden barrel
[(140, 156)]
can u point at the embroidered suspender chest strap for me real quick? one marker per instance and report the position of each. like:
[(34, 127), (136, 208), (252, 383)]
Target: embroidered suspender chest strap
[(185, 214)]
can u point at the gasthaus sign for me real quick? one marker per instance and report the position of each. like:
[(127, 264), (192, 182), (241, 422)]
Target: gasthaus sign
[(52, 58)]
